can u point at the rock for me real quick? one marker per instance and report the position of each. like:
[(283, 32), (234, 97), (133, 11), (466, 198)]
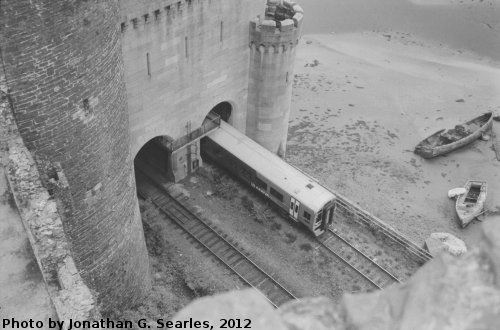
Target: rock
[(490, 245), (451, 293), (485, 137), (245, 304), (446, 293), (193, 180), (198, 209), (452, 193), (177, 190), (439, 242), (209, 193), (367, 311), (312, 314)]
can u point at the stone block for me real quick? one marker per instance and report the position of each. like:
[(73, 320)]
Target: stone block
[(245, 304), (287, 25), (297, 18), (298, 9), (268, 26)]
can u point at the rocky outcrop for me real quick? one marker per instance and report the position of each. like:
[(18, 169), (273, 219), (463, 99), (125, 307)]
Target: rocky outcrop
[(439, 242), (447, 293), (247, 304)]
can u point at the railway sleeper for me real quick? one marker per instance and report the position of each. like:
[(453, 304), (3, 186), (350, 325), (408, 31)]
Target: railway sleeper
[(205, 235), (212, 241), (235, 260)]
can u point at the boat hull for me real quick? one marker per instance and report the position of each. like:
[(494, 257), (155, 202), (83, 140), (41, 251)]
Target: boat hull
[(427, 151), (471, 204)]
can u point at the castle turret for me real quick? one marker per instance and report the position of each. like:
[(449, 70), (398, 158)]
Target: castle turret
[(273, 42), (63, 67)]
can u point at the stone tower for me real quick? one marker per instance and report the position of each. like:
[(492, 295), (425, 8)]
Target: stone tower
[(63, 66), (273, 42)]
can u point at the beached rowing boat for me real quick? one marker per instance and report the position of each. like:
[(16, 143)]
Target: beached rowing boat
[(445, 141), (470, 204)]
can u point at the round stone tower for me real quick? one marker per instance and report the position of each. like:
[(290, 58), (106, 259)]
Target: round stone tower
[(63, 66), (273, 42)]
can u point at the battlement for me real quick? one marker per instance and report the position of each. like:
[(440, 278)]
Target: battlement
[(279, 29), (169, 10)]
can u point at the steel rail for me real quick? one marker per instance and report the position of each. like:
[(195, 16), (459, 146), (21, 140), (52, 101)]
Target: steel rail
[(348, 263), (370, 260), (371, 220), (190, 216)]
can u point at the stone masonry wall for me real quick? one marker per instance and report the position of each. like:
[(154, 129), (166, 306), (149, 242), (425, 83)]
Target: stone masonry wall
[(63, 68), (39, 213), (273, 41), (181, 59)]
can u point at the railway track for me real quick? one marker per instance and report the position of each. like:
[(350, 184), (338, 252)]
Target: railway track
[(372, 272), (212, 241), (356, 214)]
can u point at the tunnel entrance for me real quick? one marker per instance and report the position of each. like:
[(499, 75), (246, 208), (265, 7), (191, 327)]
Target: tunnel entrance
[(155, 158), (223, 110)]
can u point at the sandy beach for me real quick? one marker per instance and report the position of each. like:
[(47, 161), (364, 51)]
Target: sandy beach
[(362, 101)]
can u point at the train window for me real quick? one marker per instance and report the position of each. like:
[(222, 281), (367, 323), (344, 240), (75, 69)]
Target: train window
[(276, 194), (296, 208), (307, 216), (261, 184), (330, 218), (318, 217), (310, 186), (195, 164)]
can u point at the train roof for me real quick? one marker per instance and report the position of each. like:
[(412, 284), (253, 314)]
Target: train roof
[(283, 175)]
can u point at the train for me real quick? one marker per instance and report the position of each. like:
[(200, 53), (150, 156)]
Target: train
[(295, 193)]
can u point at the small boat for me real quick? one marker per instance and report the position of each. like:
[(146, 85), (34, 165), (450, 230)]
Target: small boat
[(470, 204), (445, 141)]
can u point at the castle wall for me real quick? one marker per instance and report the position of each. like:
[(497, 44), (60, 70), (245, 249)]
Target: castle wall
[(181, 59), (63, 67), (273, 41)]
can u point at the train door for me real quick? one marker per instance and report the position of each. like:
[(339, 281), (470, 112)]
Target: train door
[(294, 208)]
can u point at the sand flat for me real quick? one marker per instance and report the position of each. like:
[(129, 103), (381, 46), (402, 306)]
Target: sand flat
[(358, 114)]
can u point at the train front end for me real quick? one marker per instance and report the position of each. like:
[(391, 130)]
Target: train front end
[(324, 218)]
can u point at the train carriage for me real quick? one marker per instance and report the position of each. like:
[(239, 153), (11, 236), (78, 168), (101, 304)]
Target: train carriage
[(301, 197)]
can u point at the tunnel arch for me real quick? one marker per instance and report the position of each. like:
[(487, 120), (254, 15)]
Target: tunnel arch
[(156, 156), (224, 109)]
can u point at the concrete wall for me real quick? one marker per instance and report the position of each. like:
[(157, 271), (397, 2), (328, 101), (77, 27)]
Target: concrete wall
[(63, 67), (193, 65)]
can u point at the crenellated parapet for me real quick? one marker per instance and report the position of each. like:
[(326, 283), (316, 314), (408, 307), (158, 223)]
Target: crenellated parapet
[(168, 11), (279, 30)]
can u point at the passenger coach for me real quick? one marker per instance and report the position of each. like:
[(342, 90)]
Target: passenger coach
[(301, 197)]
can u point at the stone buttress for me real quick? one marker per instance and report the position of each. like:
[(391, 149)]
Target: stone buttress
[(64, 71), (273, 42)]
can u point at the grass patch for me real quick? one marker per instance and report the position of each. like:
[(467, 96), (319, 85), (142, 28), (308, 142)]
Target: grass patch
[(247, 204), (290, 238), (275, 226), (305, 247)]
